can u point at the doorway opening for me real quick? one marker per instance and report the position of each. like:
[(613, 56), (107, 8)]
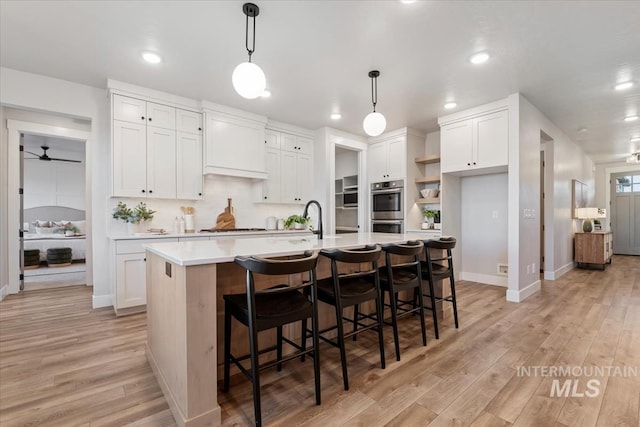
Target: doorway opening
[(625, 212), (53, 212), (546, 207), (347, 190)]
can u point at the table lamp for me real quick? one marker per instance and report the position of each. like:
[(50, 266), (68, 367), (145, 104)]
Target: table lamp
[(587, 214)]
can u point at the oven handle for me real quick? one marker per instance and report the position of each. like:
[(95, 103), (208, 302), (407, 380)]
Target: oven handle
[(390, 190), (385, 221)]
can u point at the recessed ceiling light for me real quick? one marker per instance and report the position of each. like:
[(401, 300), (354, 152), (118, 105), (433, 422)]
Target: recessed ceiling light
[(450, 105), (336, 116), (631, 118), (407, 1), (582, 130), (635, 139), (623, 85), (266, 93), (479, 58), (151, 58)]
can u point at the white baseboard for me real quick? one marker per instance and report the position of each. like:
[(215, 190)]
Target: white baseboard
[(524, 293), (4, 291), (99, 301), (485, 278), (556, 274)]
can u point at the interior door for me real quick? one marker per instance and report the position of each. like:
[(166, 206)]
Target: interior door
[(625, 213)]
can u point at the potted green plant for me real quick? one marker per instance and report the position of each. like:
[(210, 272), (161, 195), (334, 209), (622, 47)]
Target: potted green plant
[(296, 221), (429, 216), (134, 216)]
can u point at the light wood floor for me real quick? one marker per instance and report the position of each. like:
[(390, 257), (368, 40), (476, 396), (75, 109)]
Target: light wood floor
[(62, 363)]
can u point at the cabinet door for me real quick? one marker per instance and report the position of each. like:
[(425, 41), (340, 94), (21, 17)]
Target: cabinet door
[(129, 109), (455, 146), (288, 176), (161, 116), (289, 142), (161, 163), (377, 162), (305, 145), (130, 280), (188, 121), (397, 159), (272, 139), (491, 140), (304, 172), (129, 159), (188, 166), (271, 186)]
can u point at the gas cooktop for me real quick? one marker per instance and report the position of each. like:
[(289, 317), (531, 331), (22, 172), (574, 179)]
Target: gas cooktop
[(214, 230)]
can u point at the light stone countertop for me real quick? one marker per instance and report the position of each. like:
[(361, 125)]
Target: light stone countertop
[(223, 234), (226, 249)]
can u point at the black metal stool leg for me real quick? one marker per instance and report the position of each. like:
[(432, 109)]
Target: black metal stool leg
[(343, 355), (279, 346), (421, 305), (434, 314), (355, 320), (453, 300), (394, 321), (303, 340), (316, 352), (255, 375), (380, 319)]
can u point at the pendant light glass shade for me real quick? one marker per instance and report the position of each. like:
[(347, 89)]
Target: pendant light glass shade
[(249, 80), (374, 124)]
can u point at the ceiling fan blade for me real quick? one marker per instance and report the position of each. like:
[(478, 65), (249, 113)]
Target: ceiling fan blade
[(64, 160), (37, 155)]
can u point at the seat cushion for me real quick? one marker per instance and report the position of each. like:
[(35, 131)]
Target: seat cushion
[(402, 277), (352, 290), (271, 309)]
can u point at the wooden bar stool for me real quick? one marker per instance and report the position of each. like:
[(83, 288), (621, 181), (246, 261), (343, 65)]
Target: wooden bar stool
[(343, 290), (272, 308), (403, 276), (433, 270)]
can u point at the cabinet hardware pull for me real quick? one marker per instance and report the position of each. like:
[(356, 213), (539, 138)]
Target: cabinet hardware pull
[(474, 163), (150, 119), (199, 194), (145, 260), (199, 128), (143, 191), (142, 118), (150, 191), (468, 164)]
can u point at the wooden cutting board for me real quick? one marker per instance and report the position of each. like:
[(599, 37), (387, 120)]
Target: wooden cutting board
[(226, 220)]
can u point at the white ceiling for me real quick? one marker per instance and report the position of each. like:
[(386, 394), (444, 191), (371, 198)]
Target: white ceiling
[(57, 146), (564, 57)]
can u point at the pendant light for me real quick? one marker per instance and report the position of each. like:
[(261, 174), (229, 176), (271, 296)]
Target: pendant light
[(375, 123), (248, 78)]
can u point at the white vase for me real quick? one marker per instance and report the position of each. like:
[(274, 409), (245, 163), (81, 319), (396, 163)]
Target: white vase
[(132, 228)]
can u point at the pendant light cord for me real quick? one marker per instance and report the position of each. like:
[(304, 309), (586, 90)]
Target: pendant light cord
[(246, 39), (374, 93)]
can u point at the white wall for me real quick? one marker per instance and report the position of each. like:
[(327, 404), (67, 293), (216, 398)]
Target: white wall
[(346, 163), (54, 183), (44, 94), (569, 162), (483, 239)]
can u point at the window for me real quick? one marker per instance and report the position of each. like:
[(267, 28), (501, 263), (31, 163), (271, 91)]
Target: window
[(628, 184)]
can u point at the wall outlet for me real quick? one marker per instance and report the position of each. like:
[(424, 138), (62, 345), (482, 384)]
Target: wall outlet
[(503, 269)]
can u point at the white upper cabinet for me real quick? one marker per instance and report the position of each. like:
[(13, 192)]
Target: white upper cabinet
[(387, 160), (476, 143), (234, 146), (151, 159), (129, 109), (189, 122), (161, 163), (129, 159), (289, 168), (188, 166)]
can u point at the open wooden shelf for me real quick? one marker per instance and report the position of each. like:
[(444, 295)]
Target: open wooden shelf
[(428, 180), (434, 158), (428, 201)]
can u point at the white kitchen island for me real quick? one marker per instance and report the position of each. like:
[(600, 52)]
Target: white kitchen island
[(185, 284)]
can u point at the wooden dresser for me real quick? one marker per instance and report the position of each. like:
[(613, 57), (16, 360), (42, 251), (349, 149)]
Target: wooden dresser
[(593, 248)]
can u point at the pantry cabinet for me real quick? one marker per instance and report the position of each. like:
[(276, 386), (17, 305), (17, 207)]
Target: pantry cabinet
[(477, 143), (387, 160), (150, 158), (289, 168)]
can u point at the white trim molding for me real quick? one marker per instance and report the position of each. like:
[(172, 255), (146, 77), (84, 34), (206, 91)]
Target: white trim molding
[(556, 274), (99, 301), (524, 293), (487, 279), (4, 291)]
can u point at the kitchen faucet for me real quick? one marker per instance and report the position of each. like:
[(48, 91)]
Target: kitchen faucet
[(305, 213)]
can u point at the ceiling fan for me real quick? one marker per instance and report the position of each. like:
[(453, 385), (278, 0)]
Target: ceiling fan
[(46, 158)]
